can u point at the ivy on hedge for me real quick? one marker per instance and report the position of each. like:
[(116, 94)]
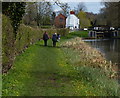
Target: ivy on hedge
[(15, 11)]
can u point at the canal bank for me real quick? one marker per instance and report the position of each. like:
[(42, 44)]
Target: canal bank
[(112, 53), (67, 70), (90, 56), (110, 49), (90, 64)]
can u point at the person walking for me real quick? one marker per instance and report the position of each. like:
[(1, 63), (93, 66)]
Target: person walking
[(54, 39), (58, 37), (45, 38)]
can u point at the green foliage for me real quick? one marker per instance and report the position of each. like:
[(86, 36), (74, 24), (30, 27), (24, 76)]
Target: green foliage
[(46, 20), (94, 78), (11, 46), (63, 31), (45, 71), (44, 13), (15, 11), (7, 42), (84, 21), (26, 36), (82, 34), (46, 27), (30, 14), (109, 14), (74, 34)]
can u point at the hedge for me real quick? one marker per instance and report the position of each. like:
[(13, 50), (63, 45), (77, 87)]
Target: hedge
[(26, 35)]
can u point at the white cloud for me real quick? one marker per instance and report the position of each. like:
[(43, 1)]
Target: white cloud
[(56, 10)]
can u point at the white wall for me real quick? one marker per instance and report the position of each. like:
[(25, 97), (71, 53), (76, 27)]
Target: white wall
[(72, 21)]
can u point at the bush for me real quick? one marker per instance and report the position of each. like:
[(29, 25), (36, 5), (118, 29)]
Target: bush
[(13, 46), (7, 42), (63, 31), (26, 36)]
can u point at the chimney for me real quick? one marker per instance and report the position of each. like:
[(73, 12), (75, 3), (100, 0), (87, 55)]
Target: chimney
[(72, 12)]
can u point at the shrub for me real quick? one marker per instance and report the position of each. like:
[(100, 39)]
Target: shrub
[(7, 42), (26, 36), (63, 31)]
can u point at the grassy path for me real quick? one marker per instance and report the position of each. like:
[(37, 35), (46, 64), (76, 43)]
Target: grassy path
[(45, 71), (37, 72)]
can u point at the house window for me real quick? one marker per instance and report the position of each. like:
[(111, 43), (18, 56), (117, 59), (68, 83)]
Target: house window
[(61, 19)]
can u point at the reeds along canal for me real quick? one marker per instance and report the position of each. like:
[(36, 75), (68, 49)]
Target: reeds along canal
[(110, 48)]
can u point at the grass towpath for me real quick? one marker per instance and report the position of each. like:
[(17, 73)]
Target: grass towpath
[(31, 71), (47, 71), (38, 72)]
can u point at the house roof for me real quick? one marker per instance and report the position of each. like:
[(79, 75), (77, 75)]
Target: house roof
[(60, 15)]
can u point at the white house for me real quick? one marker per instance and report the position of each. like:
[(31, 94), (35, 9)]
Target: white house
[(72, 21)]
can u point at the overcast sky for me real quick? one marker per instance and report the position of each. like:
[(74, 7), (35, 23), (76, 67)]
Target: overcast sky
[(91, 6)]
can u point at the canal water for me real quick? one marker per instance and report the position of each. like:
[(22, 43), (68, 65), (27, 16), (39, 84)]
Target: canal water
[(109, 47)]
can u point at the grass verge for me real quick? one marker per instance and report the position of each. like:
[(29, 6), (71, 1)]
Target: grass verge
[(74, 34), (91, 68), (60, 71)]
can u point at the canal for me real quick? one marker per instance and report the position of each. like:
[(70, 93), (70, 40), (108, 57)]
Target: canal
[(109, 47)]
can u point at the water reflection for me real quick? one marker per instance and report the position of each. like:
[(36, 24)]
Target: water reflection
[(110, 48)]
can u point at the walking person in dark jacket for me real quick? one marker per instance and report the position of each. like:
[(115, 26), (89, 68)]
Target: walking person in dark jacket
[(54, 39), (45, 38), (58, 37)]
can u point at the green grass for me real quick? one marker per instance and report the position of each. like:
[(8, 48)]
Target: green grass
[(46, 26), (80, 33), (52, 71), (93, 78), (74, 34)]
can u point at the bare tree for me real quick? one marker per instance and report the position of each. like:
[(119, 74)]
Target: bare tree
[(45, 12), (111, 13), (80, 7), (64, 6), (30, 13), (38, 13)]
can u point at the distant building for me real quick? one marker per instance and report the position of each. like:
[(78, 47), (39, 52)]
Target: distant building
[(72, 21), (60, 21)]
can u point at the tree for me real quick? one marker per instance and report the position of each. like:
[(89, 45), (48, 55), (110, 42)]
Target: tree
[(92, 17), (64, 6), (110, 13), (84, 21), (80, 7), (30, 13), (15, 11), (53, 17), (39, 13), (44, 13), (100, 19)]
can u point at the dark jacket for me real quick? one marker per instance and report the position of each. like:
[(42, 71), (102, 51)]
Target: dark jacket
[(45, 36), (58, 36), (54, 37)]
